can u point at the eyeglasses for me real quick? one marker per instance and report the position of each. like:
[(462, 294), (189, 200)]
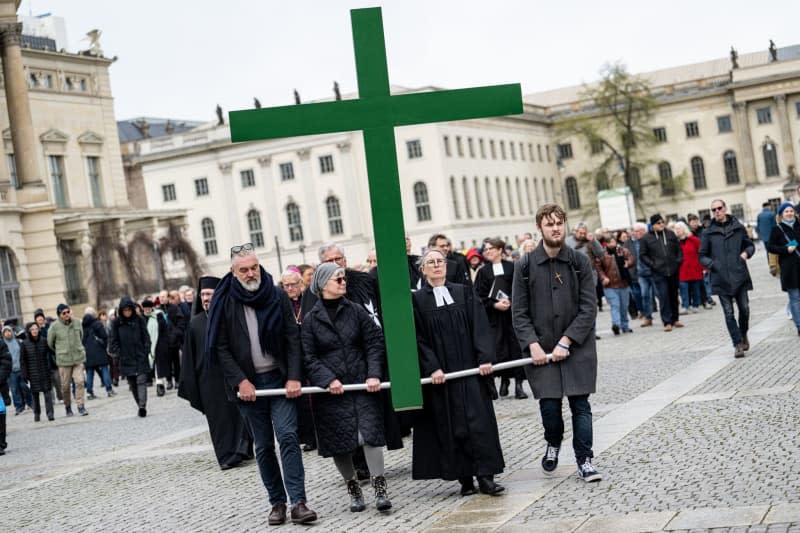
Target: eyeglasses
[(434, 262), (291, 285), (334, 259), (715, 209), (340, 279), (243, 249), (65, 312)]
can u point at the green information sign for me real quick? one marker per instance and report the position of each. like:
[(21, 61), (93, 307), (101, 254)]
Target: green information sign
[(377, 113)]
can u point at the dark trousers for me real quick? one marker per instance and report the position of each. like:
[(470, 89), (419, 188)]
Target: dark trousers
[(174, 371), (138, 386), (667, 288), (737, 330), (48, 403), (553, 422), (20, 391)]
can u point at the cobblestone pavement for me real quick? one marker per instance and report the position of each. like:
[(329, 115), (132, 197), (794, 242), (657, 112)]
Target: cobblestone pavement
[(720, 456)]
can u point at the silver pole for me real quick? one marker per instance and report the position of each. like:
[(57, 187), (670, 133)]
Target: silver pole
[(424, 381)]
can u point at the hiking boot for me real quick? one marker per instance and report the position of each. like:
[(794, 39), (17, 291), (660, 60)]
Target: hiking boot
[(356, 496), (615, 329), (739, 351), (382, 502), (302, 514), (550, 459), (646, 323), (745, 343), (587, 472), (278, 515)]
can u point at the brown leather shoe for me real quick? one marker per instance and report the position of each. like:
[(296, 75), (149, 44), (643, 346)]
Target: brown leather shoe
[(739, 351), (302, 514), (668, 327), (278, 515), (745, 343), (678, 324), (646, 323)]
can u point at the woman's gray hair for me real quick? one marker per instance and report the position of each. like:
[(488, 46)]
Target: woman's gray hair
[(330, 246), (322, 274), (684, 227), (426, 253)]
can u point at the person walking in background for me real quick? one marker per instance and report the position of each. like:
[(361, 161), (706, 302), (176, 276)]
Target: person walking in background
[(130, 342), (612, 268), (5, 371), (690, 275), (784, 243), (661, 253), (65, 338), (158, 355), (20, 392), (765, 223), (95, 343), (725, 250), (36, 371), (642, 279), (55, 377)]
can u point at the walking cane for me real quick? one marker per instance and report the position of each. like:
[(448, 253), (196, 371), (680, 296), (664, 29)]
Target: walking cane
[(424, 381)]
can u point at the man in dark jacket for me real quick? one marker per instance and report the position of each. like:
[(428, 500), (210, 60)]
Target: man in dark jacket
[(95, 342), (5, 371), (725, 250), (176, 322), (252, 335), (660, 251), (554, 307), (457, 266)]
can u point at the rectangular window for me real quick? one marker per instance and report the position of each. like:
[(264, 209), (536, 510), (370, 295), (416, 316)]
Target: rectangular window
[(168, 192), (737, 210), (459, 147), (447, 146), (414, 149), (57, 177), (724, 124), (12, 170), (95, 184), (692, 129), (482, 148), (491, 149), (326, 164), (248, 178), (503, 149), (797, 108), (565, 150), (513, 151), (471, 147), (547, 152), (201, 187), (522, 151), (287, 171), (597, 146), (660, 134), (764, 115), (530, 152), (539, 149)]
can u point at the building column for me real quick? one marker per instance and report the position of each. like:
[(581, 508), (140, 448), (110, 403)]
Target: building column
[(352, 206), (748, 163), (789, 157), (311, 225)]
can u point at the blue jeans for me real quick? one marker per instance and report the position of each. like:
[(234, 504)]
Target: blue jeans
[(736, 330), (707, 284), (553, 422), (20, 392), (646, 295), (618, 300), (104, 371), (794, 306), (690, 294), (278, 414)]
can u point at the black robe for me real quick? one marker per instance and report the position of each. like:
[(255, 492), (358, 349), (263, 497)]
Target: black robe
[(204, 388), (456, 434), (505, 340)]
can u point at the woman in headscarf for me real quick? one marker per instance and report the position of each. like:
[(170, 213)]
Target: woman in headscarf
[(35, 361), (455, 437), (343, 345)]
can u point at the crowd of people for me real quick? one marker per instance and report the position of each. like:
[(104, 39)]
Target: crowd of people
[(321, 325)]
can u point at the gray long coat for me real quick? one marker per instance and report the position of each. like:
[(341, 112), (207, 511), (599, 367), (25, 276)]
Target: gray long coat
[(545, 309)]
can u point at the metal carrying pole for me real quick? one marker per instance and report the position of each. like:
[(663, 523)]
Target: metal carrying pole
[(424, 381)]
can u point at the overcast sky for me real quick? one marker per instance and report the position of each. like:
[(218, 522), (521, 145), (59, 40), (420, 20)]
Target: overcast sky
[(179, 58)]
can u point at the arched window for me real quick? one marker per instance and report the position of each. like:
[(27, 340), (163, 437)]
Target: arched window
[(499, 197), (573, 198), (731, 168), (421, 201), (254, 227), (467, 202), (209, 236), (635, 182), (9, 286), (510, 197), (454, 194), (698, 173), (770, 151), (528, 194), (478, 204), (335, 225), (665, 174), (520, 198), (489, 201), (295, 223), (553, 190), (601, 180)]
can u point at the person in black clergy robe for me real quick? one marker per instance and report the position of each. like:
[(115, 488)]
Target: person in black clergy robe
[(204, 387), (493, 285), (455, 436)]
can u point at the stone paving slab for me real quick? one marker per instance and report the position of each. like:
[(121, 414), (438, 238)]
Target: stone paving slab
[(783, 513), (630, 523), (718, 517)]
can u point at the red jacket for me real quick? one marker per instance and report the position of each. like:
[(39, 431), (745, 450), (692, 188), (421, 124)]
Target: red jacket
[(691, 269)]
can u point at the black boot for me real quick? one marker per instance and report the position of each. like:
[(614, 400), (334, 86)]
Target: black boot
[(356, 496), (519, 392), (170, 386), (504, 383), (467, 486), (492, 388), (3, 443), (487, 485), (382, 502), (160, 390)]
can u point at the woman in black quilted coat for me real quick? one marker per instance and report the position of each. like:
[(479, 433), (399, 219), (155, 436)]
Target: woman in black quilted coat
[(35, 366), (343, 345), (130, 342)]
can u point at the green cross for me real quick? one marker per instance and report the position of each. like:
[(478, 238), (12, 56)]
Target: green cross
[(377, 113)]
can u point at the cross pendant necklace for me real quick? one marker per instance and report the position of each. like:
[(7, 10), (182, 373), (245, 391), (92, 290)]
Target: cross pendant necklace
[(558, 277)]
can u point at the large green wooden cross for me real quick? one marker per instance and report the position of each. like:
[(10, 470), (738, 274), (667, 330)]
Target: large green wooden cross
[(377, 113)]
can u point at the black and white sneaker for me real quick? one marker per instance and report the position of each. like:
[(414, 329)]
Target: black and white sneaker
[(587, 472), (550, 459)]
